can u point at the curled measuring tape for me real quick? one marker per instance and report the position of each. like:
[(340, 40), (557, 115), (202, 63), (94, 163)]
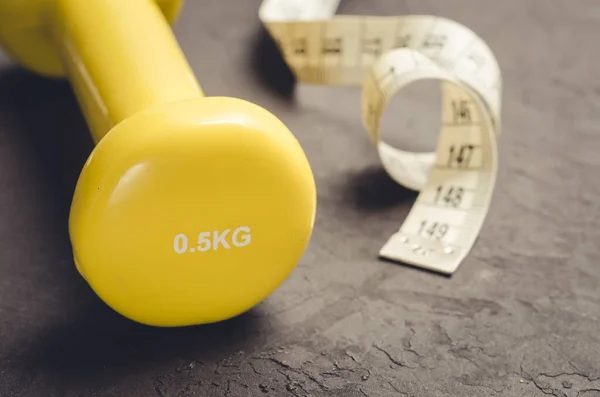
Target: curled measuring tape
[(385, 54)]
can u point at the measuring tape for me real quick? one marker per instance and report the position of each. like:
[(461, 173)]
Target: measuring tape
[(384, 54)]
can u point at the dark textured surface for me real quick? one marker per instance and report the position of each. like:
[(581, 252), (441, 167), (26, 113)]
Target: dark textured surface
[(521, 317)]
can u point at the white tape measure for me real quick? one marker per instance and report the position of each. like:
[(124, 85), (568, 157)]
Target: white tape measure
[(384, 54)]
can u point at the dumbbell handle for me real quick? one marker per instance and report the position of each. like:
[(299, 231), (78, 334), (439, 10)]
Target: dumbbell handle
[(121, 57)]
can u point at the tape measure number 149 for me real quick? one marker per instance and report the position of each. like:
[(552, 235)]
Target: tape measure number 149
[(385, 54)]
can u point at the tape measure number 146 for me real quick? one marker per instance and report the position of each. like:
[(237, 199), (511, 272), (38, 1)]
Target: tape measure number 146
[(385, 54)]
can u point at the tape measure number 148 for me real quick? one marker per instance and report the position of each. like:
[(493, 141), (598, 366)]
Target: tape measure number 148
[(385, 54)]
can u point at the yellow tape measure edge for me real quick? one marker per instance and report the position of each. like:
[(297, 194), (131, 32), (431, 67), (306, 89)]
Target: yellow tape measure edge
[(384, 54)]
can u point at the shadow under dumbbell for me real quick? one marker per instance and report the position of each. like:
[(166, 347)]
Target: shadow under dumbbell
[(102, 348), (47, 128), (71, 335), (45, 143)]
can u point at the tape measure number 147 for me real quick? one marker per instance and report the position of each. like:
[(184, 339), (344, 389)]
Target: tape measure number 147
[(385, 54)]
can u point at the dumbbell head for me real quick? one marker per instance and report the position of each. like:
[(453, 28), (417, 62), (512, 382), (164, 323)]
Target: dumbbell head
[(190, 211), (196, 210)]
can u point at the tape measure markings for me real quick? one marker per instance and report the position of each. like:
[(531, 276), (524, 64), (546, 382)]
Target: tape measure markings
[(384, 55)]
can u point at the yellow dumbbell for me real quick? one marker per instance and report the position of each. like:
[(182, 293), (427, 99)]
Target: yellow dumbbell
[(190, 209)]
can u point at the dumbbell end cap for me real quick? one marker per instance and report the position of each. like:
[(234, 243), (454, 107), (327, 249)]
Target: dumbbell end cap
[(192, 212)]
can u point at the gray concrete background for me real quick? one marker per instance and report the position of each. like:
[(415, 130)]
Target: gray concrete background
[(519, 318)]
